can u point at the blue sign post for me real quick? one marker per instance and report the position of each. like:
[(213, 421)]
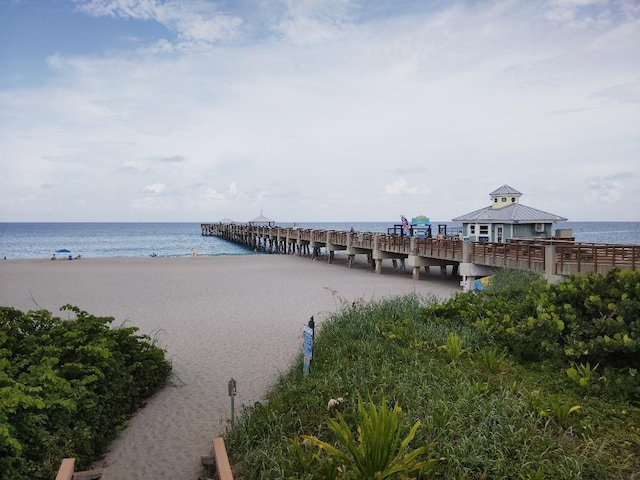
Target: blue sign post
[(307, 346)]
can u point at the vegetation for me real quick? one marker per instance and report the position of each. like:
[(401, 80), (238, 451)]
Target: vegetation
[(524, 380), (379, 452), (67, 387)]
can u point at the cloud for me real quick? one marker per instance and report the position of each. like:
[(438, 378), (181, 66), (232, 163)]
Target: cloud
[(172, 159), (154, 204), (579, 13), (212, 195), (401, 187), (607, 190), (313, 21), (155, 188), (407, 170), (324, 109), (195, 20), (626, 93), (135, 167)]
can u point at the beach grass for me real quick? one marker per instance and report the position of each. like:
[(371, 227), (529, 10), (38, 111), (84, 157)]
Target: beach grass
[(483, 412)]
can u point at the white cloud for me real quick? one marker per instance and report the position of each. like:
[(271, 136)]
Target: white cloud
[(193, 20), (154, 205), (401, 187), (215, 196), (311, 110), (155, 188)]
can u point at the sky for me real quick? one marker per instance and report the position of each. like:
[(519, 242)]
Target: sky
[(317, 110)]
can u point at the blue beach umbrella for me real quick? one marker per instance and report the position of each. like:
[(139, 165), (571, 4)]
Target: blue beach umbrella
[(64, 253)]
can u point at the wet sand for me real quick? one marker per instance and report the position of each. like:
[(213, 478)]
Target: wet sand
[(219, 318)]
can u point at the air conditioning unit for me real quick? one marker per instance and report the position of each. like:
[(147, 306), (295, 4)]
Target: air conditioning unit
[(538, 227)]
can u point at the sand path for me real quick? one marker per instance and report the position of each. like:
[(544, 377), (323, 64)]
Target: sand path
[(219, 318)]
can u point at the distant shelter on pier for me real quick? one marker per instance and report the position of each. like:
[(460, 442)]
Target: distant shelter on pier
[(261, 220), (507, 219)]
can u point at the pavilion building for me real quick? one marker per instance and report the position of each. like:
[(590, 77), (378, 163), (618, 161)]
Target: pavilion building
[(507, 219)]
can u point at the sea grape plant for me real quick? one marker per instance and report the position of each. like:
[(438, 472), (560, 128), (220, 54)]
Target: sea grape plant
[(591, 319), (67, 386)]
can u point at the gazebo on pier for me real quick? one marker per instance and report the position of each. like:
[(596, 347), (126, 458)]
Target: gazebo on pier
[(262, 220)]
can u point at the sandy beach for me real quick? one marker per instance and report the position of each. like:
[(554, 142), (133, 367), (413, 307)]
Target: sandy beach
[(219, 318)]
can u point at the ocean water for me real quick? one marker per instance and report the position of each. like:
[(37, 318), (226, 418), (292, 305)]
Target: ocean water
[(99, 240)]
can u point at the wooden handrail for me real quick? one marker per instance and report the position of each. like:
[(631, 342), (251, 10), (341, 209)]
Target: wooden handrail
[(223, 467), (67, 467), (219, 460), (65, 472)]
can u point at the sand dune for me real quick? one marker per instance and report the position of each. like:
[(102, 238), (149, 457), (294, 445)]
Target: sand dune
[(218, 318)]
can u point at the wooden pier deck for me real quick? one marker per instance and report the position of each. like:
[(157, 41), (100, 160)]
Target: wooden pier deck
[(555, 259)]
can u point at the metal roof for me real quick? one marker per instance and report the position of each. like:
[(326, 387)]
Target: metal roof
[(514, 213), (505, 190), (262, 219)]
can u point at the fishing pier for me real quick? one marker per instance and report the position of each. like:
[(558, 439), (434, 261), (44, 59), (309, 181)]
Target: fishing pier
[(554, 259)]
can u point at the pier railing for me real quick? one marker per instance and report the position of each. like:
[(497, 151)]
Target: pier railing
[(521, 255), (566, 257), (554, 257), (593, 257), (449, 249)]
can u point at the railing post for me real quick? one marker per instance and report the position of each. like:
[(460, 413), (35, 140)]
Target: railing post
[(466, 252), (549, 259)]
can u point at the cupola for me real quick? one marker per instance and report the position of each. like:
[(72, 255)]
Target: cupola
[(504, 196)]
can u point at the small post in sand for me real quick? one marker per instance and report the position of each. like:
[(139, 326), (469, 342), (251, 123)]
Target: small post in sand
[(232, 394)]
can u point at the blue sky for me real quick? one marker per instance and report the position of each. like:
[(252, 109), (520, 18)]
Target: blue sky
[(333, 110)]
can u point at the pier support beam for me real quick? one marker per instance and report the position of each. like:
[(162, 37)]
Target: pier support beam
[(350, 260), (416, 262), (379, 255), (332, 249), (353, 251)]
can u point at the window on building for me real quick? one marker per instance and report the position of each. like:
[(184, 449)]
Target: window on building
[(504, 199), (472, 229), (484, 229), (495, 200), (513, 199)]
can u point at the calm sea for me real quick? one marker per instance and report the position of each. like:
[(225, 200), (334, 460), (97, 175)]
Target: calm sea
[(41, 240)]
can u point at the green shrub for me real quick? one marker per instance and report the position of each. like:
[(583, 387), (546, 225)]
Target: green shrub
[(589, 318), (602, 318), (67, 386), (489, 415), (512, 284)]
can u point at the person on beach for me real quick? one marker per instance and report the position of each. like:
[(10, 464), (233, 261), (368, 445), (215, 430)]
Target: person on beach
[(54, 257)]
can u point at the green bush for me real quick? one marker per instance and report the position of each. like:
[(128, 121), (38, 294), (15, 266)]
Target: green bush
[(67, 386), (589, 318), (486, 415), (602, 318)]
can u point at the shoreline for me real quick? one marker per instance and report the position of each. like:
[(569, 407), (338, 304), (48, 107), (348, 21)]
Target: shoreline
[(218, 317)]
